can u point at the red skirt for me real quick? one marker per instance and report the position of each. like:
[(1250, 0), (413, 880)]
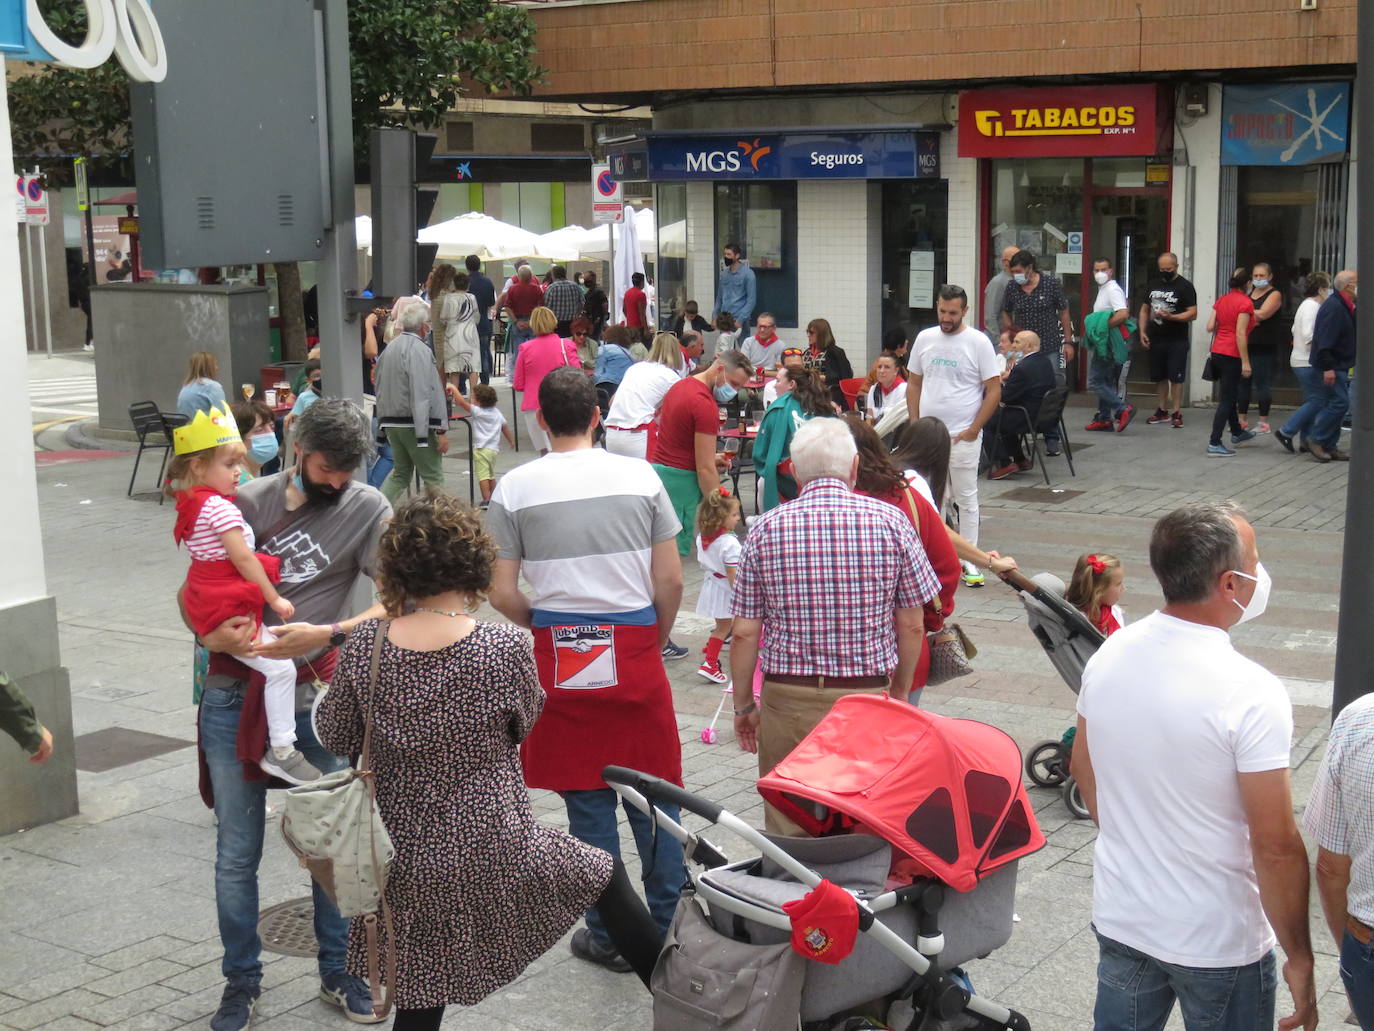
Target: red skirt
[(609, 704), (216, 591)]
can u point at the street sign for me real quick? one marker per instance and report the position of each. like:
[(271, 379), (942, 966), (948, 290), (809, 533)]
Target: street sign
[(83, 189), (35, 200), (608, 196), (128, 225)]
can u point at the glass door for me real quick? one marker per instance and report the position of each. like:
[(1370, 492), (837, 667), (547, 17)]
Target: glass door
[(915, 228), (1132, 229)]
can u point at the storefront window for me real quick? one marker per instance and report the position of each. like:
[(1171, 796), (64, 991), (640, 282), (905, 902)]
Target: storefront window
[(762, 218), (915, 234), (1036, 204), (670, 273)]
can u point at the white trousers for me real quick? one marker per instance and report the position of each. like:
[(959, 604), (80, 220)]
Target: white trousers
[(631, 443), (963, 481), (278, 695), (538, 437)]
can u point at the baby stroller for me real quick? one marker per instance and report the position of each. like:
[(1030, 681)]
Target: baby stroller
[(1069, 640), (907, 805)]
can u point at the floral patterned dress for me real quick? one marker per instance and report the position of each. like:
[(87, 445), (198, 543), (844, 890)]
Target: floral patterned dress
[(478, 888)]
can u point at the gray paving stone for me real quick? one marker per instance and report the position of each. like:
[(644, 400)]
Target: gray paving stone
[(161, 945), (144, 999), (148, 972), (46, 1012), (146, 1022)]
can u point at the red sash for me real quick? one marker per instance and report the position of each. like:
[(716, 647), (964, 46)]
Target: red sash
[(609, 703)]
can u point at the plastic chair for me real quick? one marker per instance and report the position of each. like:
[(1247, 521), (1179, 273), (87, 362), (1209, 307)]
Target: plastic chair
[(1050, 417), (149, 421), (851, 389)]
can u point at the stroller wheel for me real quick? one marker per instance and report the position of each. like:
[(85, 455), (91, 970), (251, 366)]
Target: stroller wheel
[(1045, 764), (708, 735), (1073, 798)]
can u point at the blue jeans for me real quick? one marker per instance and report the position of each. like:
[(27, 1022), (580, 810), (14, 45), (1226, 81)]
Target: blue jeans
[(484, 346), (1357, 971), (1326, 427), (1313, 392), (1103, 377), (521, 335), (1136, 992), (592, 818), (240, 807)]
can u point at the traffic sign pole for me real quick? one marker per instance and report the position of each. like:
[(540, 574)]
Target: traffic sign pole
[(33, 301)]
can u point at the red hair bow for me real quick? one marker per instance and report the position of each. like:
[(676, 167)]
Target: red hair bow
[(1097, 565), (725, 492)]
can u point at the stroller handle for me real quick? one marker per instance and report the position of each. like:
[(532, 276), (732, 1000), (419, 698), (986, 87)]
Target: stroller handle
[(658, 789)]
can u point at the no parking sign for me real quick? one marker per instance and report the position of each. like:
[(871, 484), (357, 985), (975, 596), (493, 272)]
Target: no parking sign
[(34, 198), (608, 196)]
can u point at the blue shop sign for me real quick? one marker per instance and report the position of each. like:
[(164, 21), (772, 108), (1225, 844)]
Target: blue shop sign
[(1298, 123), (753, 156), (14, 29)]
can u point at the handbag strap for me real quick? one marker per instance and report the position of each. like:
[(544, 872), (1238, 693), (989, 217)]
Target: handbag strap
[(909, 496), (383, 991), (365, 758)]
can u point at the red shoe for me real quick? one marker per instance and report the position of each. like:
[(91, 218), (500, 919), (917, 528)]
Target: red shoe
[(1010, 469), (1026, 464), (711, 671), (1124, 419), (1178, 420), (1100, 424)]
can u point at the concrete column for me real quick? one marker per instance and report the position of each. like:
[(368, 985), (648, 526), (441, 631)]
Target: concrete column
[(834, 249), (703, 262), (28, 617), (1196, 191), (962, 256)]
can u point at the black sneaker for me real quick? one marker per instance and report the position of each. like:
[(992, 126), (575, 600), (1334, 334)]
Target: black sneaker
[(584, 946), (236, 1006), (1285, 440), (673, 650), (1159, 418), (351, 994)]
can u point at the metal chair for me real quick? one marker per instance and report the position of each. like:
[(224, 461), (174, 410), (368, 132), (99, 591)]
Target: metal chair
[(149, 421), (1050, 417)]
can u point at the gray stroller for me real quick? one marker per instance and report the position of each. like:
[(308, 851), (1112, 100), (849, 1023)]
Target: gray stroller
[(1069, 640), (923, 830)]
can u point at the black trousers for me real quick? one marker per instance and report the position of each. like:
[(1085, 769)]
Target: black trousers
[(633, 933), (1005, 428), (1228, 390)]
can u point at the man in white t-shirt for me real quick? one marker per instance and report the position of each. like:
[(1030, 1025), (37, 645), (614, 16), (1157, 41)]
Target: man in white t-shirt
[(1105, 376), (634, 406), (1181, 755), (954, 377)]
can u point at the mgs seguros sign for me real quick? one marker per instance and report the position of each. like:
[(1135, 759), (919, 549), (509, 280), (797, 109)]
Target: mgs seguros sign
[(1070, 121)]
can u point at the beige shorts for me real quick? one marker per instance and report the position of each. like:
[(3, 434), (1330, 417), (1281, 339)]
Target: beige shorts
[(484, 462)]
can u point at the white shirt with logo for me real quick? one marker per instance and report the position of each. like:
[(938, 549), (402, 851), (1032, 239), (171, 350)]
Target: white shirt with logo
[(953, 368), (1174, 714)]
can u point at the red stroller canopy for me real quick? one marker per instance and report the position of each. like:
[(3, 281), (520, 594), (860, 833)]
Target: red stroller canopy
[(947, 792)]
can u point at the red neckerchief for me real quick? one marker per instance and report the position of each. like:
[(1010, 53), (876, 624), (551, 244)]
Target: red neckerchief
[(707, 541), (189, 504), (1106, 621), (766, 343), (887, 390), (1348, 302)]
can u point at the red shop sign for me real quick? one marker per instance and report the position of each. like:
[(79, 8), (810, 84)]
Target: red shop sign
[(1069, 121)]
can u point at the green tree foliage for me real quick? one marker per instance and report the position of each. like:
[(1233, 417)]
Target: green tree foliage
[(411, 60)]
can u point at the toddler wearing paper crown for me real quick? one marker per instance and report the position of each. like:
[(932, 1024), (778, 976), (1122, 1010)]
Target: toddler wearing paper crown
[(227, 578)]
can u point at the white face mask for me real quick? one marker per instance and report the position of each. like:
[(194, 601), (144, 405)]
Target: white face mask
[(1259, 599), (1101, 278)]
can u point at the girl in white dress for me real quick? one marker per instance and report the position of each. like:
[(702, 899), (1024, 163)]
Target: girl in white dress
[(718, 551)]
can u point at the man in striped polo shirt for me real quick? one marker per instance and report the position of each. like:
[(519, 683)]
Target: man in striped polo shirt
[(594, 535)]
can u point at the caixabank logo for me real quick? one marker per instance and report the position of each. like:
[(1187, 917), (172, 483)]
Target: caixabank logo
[(744, 156)]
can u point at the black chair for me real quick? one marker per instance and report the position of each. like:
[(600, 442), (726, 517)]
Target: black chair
[(148, 422), (1050, 417)]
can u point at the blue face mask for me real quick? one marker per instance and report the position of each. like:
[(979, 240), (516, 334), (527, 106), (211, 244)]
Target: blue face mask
[(725, 393), (1020, 278), (1260, 283), (263, 447)]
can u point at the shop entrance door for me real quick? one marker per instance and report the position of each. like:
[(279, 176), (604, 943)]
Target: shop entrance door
[(915, 234), (1131, 226)]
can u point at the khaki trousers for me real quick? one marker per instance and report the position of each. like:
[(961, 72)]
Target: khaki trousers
[(787, 713)]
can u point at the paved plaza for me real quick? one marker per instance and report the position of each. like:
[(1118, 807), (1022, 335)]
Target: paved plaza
[(109, 916)]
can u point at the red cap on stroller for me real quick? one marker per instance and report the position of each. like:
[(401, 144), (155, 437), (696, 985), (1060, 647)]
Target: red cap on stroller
[(825, 923)]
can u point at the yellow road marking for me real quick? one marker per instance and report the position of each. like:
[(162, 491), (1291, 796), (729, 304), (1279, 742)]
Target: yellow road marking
[(56, 422)]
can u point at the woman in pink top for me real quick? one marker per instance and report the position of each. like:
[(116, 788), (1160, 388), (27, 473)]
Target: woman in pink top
[(539, 356), (1232, 317)]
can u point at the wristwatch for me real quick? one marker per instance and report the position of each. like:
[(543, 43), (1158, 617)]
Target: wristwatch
[(337, 635)]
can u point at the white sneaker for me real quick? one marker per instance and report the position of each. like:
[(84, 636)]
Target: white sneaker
[(289, 765)]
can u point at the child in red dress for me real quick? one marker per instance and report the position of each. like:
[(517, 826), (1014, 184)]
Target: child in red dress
[(1095, 589), (718, 551), (227, 578)]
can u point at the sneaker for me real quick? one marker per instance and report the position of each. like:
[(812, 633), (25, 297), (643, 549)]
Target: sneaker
[(672, 650), (289, 765), (236, 1006), (1285, 440), (1010, 469), (712, 672), (1124, 419), (584, 946), (1220, 451), (351, 994), (1263, 427), (1052, 451), (1159, 418), (1026, 464), (1244, 423), (973, 578), (1177, 420), (1102, 425), (1243, 435)]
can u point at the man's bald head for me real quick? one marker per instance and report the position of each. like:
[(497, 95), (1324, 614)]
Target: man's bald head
[(1007, 254), (1027, 342)]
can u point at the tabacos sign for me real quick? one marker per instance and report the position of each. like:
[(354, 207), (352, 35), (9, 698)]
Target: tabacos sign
[(1073, 121)]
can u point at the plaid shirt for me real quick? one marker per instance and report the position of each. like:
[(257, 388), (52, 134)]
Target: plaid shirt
[(563, 298), (825, 574), (1340, 813)]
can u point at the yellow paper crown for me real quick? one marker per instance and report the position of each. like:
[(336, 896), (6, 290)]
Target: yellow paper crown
[(205, 431)]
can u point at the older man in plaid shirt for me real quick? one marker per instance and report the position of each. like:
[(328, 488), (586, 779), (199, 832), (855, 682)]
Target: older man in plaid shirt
[(837, 583)]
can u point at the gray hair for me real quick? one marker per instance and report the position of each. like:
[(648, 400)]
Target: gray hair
[(413, 316), (524, 272), (823, 447), (1192, 546), (1343, 278), (336, 428), (736, 361)]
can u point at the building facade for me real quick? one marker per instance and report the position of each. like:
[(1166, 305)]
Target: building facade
[(862, 156)]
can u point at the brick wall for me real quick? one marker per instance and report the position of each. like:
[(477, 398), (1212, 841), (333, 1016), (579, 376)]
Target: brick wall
[(594, 49)]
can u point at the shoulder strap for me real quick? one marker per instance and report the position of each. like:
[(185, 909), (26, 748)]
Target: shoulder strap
[(364, 760), (281, 524), (909, 496)]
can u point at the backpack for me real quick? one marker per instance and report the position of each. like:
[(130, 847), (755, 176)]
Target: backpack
[(333, 826)]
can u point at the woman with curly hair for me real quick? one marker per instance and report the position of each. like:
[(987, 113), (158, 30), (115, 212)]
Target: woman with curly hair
[(478, 888)]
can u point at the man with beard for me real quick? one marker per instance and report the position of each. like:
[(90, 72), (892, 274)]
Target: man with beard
[(324, 527)]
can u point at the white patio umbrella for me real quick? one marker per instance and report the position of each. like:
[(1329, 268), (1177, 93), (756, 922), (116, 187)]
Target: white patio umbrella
[(629, 257), (594, 245), (560, 245), (475, 233), (672, 240), (362, 230)]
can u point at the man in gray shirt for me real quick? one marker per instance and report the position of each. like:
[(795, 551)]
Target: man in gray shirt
[(324, 526), (993, 295)]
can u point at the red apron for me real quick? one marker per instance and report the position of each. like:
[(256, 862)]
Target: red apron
[(609, 704)]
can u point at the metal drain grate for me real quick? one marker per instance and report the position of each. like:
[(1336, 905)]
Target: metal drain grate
[(288, 928)]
